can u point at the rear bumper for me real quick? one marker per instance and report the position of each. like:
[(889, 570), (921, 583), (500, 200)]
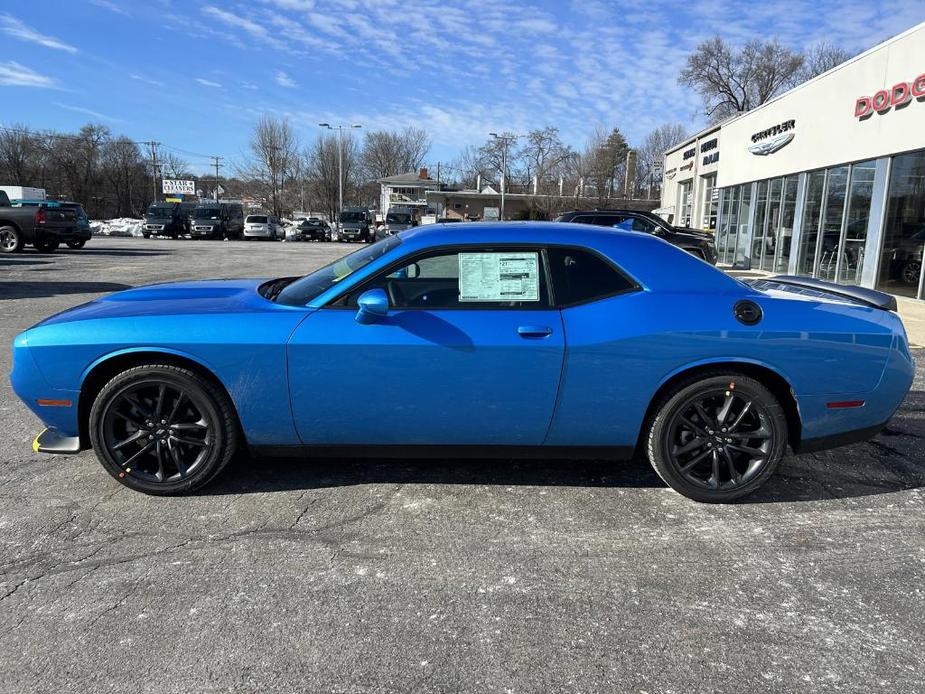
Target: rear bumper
[(53, 441)]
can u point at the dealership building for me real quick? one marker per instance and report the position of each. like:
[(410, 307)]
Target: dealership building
[(826, 180)]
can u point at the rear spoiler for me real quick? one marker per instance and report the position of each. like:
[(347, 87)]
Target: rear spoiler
[(861, 295)]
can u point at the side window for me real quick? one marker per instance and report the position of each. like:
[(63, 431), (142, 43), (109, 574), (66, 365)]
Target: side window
[(465, 279), (643, 225), (583, 219), (610, 220), (579, 276)]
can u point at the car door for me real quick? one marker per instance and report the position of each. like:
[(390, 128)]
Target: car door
[(470, 353)]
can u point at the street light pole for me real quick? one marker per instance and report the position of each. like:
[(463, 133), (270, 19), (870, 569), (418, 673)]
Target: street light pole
[(340, 162)]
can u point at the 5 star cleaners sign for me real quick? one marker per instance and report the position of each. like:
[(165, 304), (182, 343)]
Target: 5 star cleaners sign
[(172, 186)]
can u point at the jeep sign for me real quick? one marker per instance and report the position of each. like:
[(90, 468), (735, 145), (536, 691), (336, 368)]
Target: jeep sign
[(175, 187)]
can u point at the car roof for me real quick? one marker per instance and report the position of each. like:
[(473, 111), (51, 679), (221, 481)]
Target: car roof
[(653, 262)]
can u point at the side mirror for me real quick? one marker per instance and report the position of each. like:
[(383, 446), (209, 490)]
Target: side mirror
[(372, 305)]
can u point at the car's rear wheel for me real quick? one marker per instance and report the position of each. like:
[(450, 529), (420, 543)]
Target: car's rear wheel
[(717, 437), (162, 429), (911, 271), (11, 240), (77, 244), (47, 246)]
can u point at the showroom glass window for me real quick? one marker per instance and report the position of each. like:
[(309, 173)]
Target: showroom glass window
[(744, 214), (812, 212), (759, 232), (784, 233), (832, 216), (904, 228), (685, 204), (710, 202), (857, 218)]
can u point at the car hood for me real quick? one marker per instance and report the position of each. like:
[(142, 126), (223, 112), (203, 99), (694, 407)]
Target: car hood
[(175, 298)]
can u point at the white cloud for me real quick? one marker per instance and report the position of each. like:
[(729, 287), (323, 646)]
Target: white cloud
[(108, 5), (15, 28), (12, 74), (231, 19), (87, 112), (208, 83), (284, 80), (147, 80)]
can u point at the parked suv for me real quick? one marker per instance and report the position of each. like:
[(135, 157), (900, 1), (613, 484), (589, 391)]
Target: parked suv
[(164, 219), (699, 243), (357, 224), (84, 233), (217, 220), (44, 225)]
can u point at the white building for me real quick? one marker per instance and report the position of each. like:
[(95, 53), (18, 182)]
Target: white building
[(405, 190), (826, 180)]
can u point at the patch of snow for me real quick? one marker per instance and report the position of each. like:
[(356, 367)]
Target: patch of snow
[(123, 226)]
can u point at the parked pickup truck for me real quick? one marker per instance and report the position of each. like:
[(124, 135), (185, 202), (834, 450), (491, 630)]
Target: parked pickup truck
[(45, 228)]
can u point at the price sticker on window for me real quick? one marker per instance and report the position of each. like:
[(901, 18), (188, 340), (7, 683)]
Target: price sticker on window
[(510, 276)]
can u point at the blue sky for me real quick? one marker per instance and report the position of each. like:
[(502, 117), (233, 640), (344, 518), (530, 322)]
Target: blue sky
[(196, 74)]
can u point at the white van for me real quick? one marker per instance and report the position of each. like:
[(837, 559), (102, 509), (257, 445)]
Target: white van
[(262, 226)]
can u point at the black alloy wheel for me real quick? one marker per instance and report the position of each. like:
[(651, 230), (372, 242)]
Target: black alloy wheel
[(163, 429), (911, 271), (76, 244), (11, 240), (718, 438)]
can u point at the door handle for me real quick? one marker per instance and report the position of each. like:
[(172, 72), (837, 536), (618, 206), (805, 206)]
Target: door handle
[(534, 331)]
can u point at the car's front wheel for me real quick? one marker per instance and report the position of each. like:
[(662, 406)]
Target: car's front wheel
[(163, 429), (717, 437)]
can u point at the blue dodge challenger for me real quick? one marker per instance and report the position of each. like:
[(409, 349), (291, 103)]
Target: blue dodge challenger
[(557, 340)]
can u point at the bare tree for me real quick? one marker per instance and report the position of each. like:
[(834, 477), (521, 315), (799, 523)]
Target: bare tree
[(651, 154), (470, 167), (320, 161), (123, 169), (388, 153), (820, 58), (732, 80), (273, 148), (172, 166), (20, 153), (546, 159)]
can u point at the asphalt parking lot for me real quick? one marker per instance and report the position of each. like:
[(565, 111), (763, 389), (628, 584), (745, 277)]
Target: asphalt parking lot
[(334, 575)]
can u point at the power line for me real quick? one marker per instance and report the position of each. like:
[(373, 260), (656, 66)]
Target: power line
[(217, 165)]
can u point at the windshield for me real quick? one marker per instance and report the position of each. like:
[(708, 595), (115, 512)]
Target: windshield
[(160, 212), (353, 217), (207, 213), (300, 292), (310, 224), (398, 218), (256, 219)]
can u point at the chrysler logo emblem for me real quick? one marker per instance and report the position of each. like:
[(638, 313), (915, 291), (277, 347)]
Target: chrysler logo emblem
[(771, 145)]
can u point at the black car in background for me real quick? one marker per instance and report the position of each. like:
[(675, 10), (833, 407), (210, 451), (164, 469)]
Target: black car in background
[(217, 220), (695, 242), (164, 219), (311, 230)]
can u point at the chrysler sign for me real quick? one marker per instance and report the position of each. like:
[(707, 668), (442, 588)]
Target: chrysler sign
[(772, 139), (885, 99)]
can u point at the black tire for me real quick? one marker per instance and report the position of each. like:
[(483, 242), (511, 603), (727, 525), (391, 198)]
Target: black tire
[(76, 244), (157, 453), (910, 272), (710, 455), (11, 240), (46, 246), (147, 236)]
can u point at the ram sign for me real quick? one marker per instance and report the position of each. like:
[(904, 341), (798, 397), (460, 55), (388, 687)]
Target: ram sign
[(175, 187)]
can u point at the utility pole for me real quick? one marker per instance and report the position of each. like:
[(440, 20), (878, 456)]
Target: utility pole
[(217, 165), (152, 145), (340, 161), (505, 139)]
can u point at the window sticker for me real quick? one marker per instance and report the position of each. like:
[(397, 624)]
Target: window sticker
[(499, 276)]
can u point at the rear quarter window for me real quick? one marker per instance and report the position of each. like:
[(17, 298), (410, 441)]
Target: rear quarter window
[(579, 276)]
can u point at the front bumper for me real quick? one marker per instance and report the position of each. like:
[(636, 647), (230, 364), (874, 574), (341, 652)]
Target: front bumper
[(53, 441)]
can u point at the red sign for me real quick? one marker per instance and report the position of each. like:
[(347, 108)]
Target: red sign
[(885, 99)]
